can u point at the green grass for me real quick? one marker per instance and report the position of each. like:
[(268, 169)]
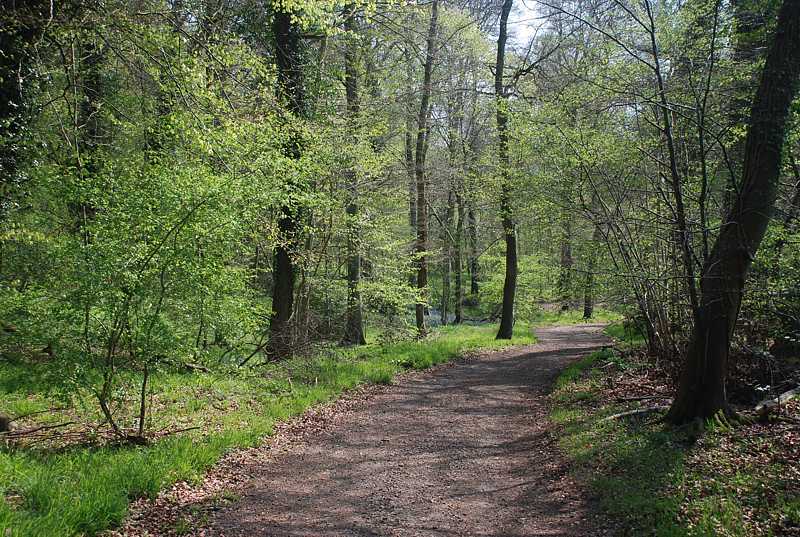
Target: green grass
[(669, 482), (82, 491), (629, 467), (625, 334), (574, 371), (600, 315)]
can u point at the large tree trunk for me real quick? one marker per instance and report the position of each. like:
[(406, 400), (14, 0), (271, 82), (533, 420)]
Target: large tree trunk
[(701, 393), (354, 324), (291, 95), (419, 171), (748, 41), (507, 217), (90, 133), (22, 24), (409, 159)]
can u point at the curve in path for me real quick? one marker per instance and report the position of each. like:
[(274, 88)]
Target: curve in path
[(464, 450)]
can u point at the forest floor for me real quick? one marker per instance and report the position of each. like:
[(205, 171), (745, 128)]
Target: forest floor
[(465, 448), (726, 479)]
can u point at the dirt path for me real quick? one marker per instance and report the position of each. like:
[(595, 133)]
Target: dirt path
[(465, 450)]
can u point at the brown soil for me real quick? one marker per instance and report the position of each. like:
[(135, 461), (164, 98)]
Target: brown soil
[(467, 450)]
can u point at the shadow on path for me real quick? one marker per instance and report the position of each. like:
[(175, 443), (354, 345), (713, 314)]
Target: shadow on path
[(465, 450)]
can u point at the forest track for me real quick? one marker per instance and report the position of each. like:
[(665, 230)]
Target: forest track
[(465, 449)]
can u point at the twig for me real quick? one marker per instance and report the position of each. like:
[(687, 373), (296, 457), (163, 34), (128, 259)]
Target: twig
[(29, 414), (643, 398), (648, 410), (176, 431), (196, 367), (16, 434)]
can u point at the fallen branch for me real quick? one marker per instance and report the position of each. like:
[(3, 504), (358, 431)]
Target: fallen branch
[(642, 398), (765, 406), (177, 431), (196, 367), (25, 432), (38, 412), (648, 410)]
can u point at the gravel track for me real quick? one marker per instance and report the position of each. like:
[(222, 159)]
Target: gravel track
[(461, 450)]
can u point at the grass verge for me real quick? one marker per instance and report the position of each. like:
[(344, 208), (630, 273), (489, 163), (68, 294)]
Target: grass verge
[(732, 482), (574, 316), (81, 491), (625, 334)]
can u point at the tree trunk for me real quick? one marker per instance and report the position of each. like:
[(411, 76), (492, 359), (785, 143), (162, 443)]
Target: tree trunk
[(419, 171), (409, 150), (89, 133), (510, 285), (472, 233), (565, 269), (748, 41), (588, 285), (290, 93), (447, 258), (354, 324), (458, 255), (701, 392), (409, 162), (22, 24)]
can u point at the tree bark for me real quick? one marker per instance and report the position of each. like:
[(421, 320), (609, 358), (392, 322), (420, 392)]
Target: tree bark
[(354, 324), (565, 268), (458, 255), (90, 133), (409, 160), (510, 284), (447, 258), (748, 41), (291, 95), (419, 171), (474, 274), (588, 285), (22, 24), (701, 392), (409, 150)]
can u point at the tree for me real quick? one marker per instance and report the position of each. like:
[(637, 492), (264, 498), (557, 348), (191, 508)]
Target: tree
[(701, 392), (447, 255), (22, 24), (565, 266), (458, 256), (354, 324), (591, 264), (506, 330), (291, 93), (421, 149)]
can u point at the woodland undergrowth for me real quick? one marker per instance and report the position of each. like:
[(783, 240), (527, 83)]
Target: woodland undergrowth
[(721, 479)]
